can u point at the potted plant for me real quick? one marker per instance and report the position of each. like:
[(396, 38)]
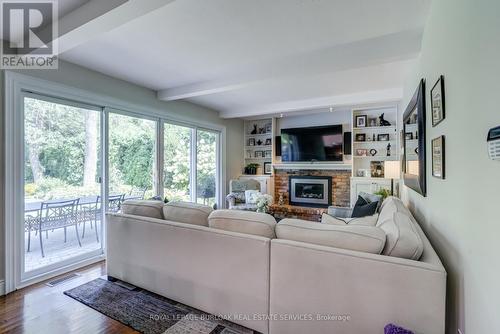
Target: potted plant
[(251, 169)]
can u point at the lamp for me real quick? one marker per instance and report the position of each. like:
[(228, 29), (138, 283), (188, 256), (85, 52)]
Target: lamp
[(391, 171)]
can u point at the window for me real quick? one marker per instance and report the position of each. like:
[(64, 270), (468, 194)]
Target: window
[(177, 162), (132, 156), (206, 167)]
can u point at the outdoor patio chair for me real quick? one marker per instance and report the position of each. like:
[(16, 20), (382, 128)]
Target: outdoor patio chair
[(55, 215), (93, 211)]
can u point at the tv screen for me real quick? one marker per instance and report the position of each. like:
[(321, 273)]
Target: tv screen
[(320, 143)]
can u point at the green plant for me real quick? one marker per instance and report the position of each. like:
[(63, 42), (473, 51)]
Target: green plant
[(253, 165), (383, 192)]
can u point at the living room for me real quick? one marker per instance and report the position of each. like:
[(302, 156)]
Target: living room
[(249, 167)]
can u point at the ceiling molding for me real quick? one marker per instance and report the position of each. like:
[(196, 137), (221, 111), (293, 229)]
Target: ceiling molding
[(393, 95), (389, 48)]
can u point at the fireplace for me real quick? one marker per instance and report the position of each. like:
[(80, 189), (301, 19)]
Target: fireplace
[(315, 191)]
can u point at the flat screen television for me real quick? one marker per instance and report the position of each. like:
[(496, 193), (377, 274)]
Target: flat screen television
[(319, 143)]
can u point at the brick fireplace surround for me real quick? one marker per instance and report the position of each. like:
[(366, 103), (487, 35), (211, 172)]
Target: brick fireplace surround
[(340, 192)]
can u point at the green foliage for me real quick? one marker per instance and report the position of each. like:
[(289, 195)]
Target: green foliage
[(383, 192), (56, 144)]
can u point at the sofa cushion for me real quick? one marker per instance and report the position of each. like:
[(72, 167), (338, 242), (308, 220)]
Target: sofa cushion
[(187, 212), (363, 208), (403, 239), (247, 222), (143, 208), (368, 239), (363, 221)]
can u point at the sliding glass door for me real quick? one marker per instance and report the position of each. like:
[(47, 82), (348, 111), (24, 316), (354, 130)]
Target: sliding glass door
[(78, 161), (132, 157), (62, 161)]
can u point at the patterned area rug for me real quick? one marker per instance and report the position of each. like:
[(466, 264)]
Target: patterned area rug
[(149, 313)]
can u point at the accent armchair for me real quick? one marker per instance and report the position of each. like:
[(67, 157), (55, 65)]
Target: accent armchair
[(236, 197)]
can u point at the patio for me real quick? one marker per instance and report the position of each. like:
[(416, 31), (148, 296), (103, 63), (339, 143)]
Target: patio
[(56, 249)]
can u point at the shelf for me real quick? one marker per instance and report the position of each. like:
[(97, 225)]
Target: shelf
[(259, 146), (375, 142), (377, 157), (267, 134), (258, 159), (375, 128)]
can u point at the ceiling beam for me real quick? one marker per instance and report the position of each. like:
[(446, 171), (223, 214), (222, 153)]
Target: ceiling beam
[(389, 48), (97, 17), (390, 95)]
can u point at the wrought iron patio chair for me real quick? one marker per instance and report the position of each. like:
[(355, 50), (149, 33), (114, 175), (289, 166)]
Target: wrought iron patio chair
[(137, 193), (93, 211), (55, 215)]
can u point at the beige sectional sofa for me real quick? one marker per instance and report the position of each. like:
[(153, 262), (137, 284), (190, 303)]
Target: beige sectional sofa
[(291, 277)]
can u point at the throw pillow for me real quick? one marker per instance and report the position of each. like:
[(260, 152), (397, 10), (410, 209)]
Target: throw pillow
[(362, 208), (251, 196), (239, 197), (361, 221)]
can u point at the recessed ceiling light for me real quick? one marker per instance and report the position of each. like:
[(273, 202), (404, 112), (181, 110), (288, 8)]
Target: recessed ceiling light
[(281, 115), (331, 109)]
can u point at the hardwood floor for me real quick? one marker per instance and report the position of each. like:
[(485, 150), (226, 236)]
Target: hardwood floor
[(43, 309)]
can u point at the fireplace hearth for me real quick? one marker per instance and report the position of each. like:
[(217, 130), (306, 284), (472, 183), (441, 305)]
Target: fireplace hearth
[(314, 191)]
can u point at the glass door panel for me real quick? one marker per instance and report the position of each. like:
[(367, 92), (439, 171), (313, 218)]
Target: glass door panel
[(62, 165), (177, 162), (206, 167), (131, 160)]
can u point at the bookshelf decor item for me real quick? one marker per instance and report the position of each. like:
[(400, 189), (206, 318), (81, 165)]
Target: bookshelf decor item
[(360, 137), (361, 121)]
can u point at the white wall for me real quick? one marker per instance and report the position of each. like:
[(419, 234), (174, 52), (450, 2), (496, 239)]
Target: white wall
[(82, 78), (319, 119), (461, 214)]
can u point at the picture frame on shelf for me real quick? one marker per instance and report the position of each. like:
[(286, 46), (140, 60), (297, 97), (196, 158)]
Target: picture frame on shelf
[(360, 137), (268, 141), (383, 137), (438, 157), (361, 121), (268, 168), (268, 128), (372, 122), (409, 135), (361, 152), (377, 169), (251, 141), (438, 102), (259, 154)]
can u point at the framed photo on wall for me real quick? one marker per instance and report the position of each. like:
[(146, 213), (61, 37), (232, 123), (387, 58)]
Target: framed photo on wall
[(437, 102), (383, 137), (438, 164)]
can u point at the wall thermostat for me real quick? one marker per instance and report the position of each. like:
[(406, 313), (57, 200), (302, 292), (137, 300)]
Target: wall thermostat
[(494, 143)]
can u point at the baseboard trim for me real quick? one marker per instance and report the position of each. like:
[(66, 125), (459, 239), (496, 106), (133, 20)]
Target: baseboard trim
[(2, 288)]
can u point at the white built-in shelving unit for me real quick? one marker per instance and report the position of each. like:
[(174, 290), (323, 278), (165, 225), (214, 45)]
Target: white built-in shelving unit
[(259, 143)]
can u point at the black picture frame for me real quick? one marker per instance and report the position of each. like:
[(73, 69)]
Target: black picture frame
[(268, 168), (268, 142), (383, 137), (416, 107), (409, 136), (361, 121), (438, 102), (438, 157), (361, 137), (251, 142)]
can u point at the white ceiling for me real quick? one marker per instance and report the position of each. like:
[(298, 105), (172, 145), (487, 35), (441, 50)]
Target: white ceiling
[(246, 58)]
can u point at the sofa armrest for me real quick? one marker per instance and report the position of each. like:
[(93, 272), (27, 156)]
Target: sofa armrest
[(367, 291)]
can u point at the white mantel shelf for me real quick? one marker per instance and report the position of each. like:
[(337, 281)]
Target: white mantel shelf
[(313, 166)]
